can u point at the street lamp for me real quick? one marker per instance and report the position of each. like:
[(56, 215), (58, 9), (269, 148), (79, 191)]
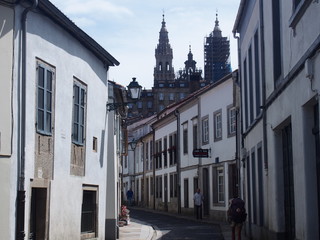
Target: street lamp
[(134, 93), (133, 144)]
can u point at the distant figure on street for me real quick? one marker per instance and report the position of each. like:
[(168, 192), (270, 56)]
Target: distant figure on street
[(236, 216), (129, 196), (198, 200)]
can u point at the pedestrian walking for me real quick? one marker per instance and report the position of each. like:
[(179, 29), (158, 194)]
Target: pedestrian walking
[(236, 216), (130, 196), (198, 201)]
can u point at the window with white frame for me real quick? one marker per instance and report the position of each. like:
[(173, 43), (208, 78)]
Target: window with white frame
[(45, 96), (220, 185), (79, 112), (205, 130), (231, 121), (217, 125)]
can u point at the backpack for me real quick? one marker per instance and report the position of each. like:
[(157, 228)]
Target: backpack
[(237, 212)]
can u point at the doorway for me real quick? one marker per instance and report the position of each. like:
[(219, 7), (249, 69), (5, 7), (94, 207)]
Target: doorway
[(166, 192), (186, 193), (289, 205), (205, 191), (38, 214)]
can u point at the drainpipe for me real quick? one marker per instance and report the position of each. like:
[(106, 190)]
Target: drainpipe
[(177, 114), (264, 91), (199, 144), (143, 191), (239, 120), (153, 168), (20, 202)]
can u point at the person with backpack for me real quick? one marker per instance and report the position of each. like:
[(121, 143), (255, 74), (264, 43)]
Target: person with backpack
[(236, 216)]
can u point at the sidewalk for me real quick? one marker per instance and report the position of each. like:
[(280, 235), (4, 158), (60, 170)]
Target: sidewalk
[(138, 230)]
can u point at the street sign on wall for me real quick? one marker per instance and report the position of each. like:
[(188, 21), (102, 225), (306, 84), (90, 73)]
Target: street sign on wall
[(200, 153)]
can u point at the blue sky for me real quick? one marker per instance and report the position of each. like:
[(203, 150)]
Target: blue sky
[(129, 30)]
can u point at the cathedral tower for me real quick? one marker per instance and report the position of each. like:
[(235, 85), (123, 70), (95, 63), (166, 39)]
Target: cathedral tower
[(163, 70), (216, 55)]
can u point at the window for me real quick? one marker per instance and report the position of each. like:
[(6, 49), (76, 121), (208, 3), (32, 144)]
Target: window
[(147, 156), (251, 91), (161, 96), (173, 185), (151, 155), (257, 73), (182, 95), (149, 104), (79, 106), (182, 85), (160, 66), (185, 138), (44, 99), (217, 125), (89, 213), (205, 130), (231, 121), (95, 144), (152, 186), (245, 93), (159, 187), (195, 136), (220, 185), (171, 96), (174, 146), (165, 155), (276, 33), (167, 66), (299, 8), (139, 105), (161, 85)]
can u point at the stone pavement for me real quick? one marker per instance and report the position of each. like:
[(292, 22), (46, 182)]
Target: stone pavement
[(138, 230)]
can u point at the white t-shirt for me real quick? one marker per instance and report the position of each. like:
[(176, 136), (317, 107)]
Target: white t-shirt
[(198, 199)]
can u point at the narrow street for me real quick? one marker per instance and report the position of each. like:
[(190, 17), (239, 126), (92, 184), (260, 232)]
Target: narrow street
[(176, 227)]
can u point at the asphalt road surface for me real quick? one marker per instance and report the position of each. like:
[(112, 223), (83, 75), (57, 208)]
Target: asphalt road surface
[(175, 227)]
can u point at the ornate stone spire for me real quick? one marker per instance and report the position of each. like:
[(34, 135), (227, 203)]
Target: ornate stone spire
[(163, 53)]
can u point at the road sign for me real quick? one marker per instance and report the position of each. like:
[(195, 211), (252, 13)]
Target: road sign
[(200, 153)]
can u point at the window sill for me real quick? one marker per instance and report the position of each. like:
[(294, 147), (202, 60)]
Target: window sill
[(299, 12)]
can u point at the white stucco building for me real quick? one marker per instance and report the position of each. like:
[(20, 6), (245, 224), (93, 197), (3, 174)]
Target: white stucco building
[(167, 173), (279, 45), (54, 128)]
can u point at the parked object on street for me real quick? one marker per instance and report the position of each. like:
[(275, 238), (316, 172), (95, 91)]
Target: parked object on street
[(124, 216)]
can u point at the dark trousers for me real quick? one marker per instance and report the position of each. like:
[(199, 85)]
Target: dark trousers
[(198, 211)]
